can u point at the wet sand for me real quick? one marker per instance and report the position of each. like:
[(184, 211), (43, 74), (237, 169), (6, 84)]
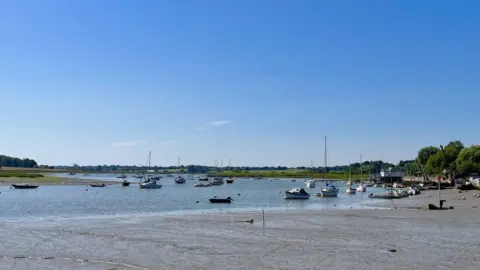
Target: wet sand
[(49, 181), (329, 239)]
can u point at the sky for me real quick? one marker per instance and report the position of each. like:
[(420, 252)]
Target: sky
[(260, 82)]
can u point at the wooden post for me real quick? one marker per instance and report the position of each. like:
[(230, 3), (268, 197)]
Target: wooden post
[(263, 217)]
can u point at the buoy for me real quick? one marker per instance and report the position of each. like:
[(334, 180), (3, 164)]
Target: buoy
[(197, 201), (238, 194)]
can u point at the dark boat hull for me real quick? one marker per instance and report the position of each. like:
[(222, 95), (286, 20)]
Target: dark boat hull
[(220, 201), (125, 184), (97, 185), (25, 186), (229, 181)]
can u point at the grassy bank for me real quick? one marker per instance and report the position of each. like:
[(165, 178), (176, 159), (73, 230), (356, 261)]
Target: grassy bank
[(286, 174)]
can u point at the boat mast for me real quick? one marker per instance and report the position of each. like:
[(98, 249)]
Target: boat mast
[(149, 159), (349, 172), (325, 158), (361, 169)]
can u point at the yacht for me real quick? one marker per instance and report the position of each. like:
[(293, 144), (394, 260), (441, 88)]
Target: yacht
[(328, 191), (310, 183), (350, 189), (180, 180), (217, 181), (296, 193), (361, 188), (150, 184), (203, 178)]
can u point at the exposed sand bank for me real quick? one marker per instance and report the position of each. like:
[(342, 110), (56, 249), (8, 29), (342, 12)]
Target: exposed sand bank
[(48, 181), (331, 239)]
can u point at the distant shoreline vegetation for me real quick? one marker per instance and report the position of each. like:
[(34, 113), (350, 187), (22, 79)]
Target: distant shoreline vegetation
[(454, 159)]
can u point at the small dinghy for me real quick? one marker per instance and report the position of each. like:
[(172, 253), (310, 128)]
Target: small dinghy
[(97, 185), (125, 183), (24, 186), (221, 200)]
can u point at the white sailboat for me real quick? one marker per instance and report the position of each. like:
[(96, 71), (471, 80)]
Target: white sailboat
[(361, 187), (329, 190), (349, 189), (310, 183), (149, 183)]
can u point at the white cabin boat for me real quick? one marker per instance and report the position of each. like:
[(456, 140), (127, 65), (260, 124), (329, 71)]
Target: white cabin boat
[(180, 180), (329, 191), (296, 194), (310, 183), (361, 188), (349, 189), (217, 181), (150, 184)]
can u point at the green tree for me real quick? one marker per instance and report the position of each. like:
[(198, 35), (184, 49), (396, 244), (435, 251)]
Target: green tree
[(451, 152), (468, 161), (435, 163), (425, 153)]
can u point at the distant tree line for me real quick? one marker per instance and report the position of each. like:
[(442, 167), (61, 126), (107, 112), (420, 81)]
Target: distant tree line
[(6, 161), (355, 168)]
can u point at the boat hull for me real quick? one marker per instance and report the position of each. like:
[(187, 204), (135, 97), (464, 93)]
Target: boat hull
[(150, 185), (328, 193), (98, 185), (290, 196), (125, 184), (361, 189), (351, 191), (220, 200), (24, 186)]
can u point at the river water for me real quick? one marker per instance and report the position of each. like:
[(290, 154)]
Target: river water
[(47, 202)]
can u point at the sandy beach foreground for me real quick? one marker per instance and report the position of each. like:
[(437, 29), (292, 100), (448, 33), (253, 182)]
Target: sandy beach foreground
[(330, 239)]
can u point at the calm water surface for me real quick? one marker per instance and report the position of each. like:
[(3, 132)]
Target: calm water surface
[(80, 201)]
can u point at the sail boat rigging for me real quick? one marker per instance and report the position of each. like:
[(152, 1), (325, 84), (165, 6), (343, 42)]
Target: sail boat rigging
[(329, 190), (350, 189), (148, 182), (361, 187)]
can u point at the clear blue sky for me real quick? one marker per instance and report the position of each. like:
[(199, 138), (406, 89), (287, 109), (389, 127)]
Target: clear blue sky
[(260, 81)]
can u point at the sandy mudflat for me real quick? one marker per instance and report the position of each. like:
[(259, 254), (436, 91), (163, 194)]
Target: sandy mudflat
[(49, 181), (333, 239)]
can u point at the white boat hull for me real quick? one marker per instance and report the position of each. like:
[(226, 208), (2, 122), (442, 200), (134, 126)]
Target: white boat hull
[(291, 196), (351, 191), (150, 185), (310, 185), (361, 188), (328, 192)]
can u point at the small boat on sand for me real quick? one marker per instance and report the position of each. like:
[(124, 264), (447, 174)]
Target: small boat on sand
[(98, 185), (221, 200), (24, 186)]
